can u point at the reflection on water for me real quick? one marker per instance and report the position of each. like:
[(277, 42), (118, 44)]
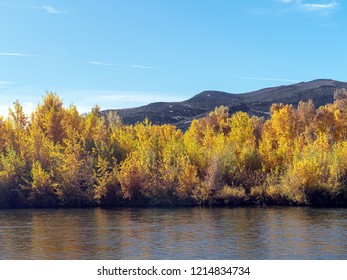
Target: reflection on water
[(188, 233)]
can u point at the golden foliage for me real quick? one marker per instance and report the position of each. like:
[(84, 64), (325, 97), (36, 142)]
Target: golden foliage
[(59, 157)]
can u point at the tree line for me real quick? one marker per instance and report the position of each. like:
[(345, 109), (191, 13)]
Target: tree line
[(57, 157)]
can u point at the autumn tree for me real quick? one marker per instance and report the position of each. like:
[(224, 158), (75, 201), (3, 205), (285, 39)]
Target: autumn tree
[(278, 140), (13, 176), (17, 128), (42, 187), (62, 158), (74, 175), (3, 135), (49, 118)]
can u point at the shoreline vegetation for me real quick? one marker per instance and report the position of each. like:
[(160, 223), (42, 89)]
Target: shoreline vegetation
[(58, 157)]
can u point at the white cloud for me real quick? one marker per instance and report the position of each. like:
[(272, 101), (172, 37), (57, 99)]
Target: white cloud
[(100, 63), (14, 54), (319, 7), (3, 83), (312, 6), (269, 79), (52, 10), (96, 62), (141, 66)]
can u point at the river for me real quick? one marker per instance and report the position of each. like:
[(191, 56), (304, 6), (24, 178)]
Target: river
[(180, 233)]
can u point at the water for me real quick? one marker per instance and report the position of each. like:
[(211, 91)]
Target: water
[(187, 233)]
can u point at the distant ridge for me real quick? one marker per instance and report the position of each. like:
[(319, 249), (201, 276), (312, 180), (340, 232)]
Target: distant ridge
[(257, 103)]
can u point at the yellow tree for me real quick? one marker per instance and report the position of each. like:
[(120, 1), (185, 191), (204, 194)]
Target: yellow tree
[(74, 174), (201, 134), (137, 180), (13, 174), (134, 177), (3, 135), (193, 142), (94, 129), (73, 122), (123, 138), (339, 130), (17, 129), (107, 190), (278, 140), (14, 165), (218, 120), (49, 117), (243, 141), (42, 187), (189, 188), (309, 174), (338, 172), (329, 120)]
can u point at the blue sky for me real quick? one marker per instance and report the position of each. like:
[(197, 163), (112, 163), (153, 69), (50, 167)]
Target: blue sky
[(125, 53)]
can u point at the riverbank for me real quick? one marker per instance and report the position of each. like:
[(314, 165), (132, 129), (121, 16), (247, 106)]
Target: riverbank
[(230, 202)]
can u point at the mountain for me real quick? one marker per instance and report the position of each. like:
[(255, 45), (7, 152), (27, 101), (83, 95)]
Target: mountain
[(254, 103)]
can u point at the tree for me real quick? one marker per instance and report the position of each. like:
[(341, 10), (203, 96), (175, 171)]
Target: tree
[(17, 129), (94, 129), (243, 140), (74, 175), (49, 117), (13, 175), (278, 140), (309, 175), (42, 188), (107, 188), (3, 135)]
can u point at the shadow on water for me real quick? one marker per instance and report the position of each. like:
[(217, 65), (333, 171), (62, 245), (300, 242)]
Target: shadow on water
[(184, 233)]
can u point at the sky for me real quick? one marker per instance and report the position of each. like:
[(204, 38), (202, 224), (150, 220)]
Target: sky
[(128, 53)]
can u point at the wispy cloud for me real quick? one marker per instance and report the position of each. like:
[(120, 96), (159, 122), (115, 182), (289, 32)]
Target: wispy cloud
[(52, 10), (313, 7), (269, 79), (138, 66), (3, 83), (14, 54), (141, 66), (100, 63), (318, 7)]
